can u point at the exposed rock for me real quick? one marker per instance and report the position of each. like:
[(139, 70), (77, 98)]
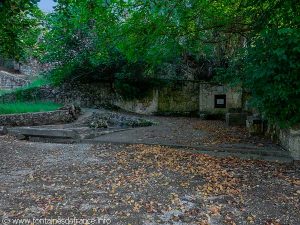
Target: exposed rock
[(100, 123), (107, 119)]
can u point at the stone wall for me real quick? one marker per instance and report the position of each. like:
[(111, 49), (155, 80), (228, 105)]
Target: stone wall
[(207, 93), (147, 106), (85, 95), (290, 140), (31, 68), (180, 98), (10, 81), (183, 98), (38, 118)]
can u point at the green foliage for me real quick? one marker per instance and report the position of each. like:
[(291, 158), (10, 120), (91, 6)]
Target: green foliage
[(136, 81), (268, 67), (24, 107), (110, 40), (272, 73), (19, 28)]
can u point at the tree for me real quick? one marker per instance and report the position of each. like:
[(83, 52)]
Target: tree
[(18, 27), (106, 33), (268, 67), (254, 42)]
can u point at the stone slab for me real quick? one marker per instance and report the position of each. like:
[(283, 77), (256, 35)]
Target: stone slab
[(290, 140), (43, 132)]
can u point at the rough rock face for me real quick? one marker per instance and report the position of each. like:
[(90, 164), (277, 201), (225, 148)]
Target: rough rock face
[(99, 123), (109, 119)]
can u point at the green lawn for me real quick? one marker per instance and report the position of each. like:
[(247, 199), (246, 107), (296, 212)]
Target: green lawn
[(24, 107)]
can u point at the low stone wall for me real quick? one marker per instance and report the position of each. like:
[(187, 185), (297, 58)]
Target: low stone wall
[(11, 81), (38, 118), (290, 140)]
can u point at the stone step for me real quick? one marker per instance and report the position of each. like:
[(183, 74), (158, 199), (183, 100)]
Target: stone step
[(46, 134), (250, 154), (256, 151), (259, 151)]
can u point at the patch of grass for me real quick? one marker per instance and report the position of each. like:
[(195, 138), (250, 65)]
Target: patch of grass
[(38, 82), (24, 107), (3, 92)]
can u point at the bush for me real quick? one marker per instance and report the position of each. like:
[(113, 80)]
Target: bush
[(272, 74), (269, 72)]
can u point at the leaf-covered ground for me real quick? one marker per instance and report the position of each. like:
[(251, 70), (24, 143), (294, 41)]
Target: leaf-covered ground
[(141, 184)]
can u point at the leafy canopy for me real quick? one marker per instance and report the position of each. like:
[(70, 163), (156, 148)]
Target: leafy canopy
[(19, 29)]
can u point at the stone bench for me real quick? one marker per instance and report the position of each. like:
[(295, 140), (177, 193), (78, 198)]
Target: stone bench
[(236, 119)]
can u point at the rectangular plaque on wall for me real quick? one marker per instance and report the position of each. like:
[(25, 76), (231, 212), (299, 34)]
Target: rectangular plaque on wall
[(220, 101)]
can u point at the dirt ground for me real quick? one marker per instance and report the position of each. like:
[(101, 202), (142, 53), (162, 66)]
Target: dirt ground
[(190, 132), (139, 184)]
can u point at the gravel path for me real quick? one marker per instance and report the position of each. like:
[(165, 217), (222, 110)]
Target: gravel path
[(138, 184)]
